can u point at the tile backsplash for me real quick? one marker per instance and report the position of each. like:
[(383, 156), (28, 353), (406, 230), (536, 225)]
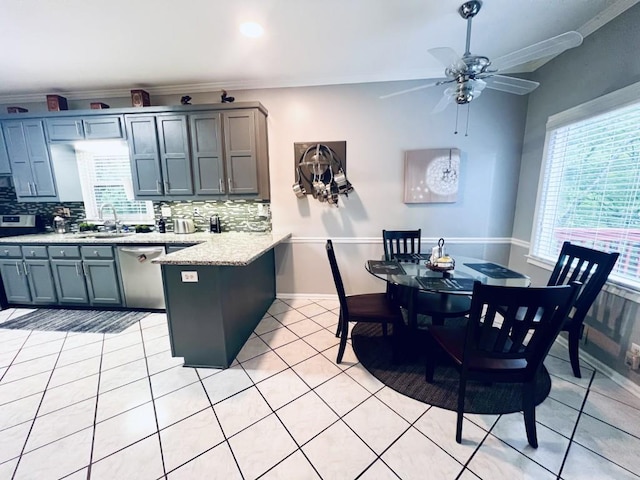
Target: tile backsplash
[(235, 215)]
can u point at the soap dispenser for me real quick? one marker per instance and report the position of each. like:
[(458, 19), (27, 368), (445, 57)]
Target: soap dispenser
[(214, 224)]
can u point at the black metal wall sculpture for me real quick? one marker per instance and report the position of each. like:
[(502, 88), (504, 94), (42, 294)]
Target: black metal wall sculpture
[(320, 171)]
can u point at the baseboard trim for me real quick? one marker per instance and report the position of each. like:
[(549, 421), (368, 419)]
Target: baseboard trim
[(624, 382), (310, 296)]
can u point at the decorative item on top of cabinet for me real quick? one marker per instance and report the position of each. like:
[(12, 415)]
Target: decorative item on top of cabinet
[(224, 98), (185, 100), (140, 98), (321, 171), (98, 105), (431, 175), (55, 103), (16, 110)]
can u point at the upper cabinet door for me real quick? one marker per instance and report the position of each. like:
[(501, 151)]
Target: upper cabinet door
[(240, 151), (173, 142), (65, 129), (103, 128), (29, 157), (206, 153), (5, 167), (145, 159), (40, 160), (69, 129)]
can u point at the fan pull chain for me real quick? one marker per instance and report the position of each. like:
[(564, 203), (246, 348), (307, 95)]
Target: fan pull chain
[(457, 110), (466, 129)]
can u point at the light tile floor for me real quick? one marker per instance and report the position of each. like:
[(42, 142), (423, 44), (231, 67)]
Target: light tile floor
[(119, 406)]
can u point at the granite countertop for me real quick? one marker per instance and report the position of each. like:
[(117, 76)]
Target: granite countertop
[(229, 248), (225, 249)]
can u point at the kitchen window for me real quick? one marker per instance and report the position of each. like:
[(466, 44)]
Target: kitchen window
[(589, 191), (105, 177)]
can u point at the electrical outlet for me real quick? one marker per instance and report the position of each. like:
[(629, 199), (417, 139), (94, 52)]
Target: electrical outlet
[(165, 211), (635, 349), (196, 210)]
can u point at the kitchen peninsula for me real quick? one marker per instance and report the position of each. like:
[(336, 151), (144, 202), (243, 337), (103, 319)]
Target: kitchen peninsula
[(216, 293), (217, 287)]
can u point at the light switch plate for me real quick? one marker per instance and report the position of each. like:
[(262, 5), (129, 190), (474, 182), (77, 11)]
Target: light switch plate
[(165, 211), (189, 276)]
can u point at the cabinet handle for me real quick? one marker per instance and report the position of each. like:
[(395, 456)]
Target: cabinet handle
[(221, 186), (32, 253), (78, 131), (18, 269), (29, 187), (63, 253), (6, 253), (35, 190), (166, 186), (95, 252), (159, 186), (78, 269), (84, 269), (24, 267), (230, 185)]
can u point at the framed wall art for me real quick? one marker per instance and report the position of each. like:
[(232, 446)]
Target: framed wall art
[(431, 175)]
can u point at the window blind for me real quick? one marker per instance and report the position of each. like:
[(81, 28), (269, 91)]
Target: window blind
[(590, 188), (106, 178)]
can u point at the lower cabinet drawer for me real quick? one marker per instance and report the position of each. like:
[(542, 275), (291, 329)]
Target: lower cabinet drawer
[(89, 251), (64, 251), (30, 251), (10, 251)]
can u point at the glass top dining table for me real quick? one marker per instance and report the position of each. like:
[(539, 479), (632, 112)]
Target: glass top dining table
[(415, 273)]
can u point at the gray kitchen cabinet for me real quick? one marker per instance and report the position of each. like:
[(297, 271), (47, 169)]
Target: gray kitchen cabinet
[(240, 152), (102, 282), (145, 156), (100, 127), (40, 279), (207, 154), (175, 161), (85, 275), (29, 157), (5, 166), (27, 277), (15, 282), (204, 154), (70, 283), (160, 159)]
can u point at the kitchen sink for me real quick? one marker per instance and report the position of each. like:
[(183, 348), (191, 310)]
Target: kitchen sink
[(104, 235)]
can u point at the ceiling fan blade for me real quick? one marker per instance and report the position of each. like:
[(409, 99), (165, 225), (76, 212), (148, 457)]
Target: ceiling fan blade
[(546, 48), (449, 58), (443, 103), (402, 92), (519, 86)]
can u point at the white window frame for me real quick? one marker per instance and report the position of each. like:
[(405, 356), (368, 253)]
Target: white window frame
[(84, 152), (616, 100)]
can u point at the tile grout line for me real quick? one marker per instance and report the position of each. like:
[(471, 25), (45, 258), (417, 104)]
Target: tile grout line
[(95, 412)]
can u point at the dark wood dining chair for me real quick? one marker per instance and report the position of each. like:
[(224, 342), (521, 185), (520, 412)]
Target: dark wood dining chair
[(435, 305), (591, 268), (508, 344), (367, 307)]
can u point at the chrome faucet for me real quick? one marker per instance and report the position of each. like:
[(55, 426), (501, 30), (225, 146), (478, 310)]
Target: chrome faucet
[(115, 215)]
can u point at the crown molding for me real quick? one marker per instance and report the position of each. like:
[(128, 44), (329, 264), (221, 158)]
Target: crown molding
[(235, 85)]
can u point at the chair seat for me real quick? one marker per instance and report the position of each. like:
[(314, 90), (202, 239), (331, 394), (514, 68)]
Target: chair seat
[(371, 307), (451, 340)]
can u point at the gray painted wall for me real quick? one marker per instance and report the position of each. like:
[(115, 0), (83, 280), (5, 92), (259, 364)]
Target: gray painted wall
[(604, 63)]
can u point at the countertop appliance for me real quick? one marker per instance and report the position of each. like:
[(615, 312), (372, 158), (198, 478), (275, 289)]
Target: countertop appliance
[(183, 225), (11, 225), (214, 224), (141, 279)]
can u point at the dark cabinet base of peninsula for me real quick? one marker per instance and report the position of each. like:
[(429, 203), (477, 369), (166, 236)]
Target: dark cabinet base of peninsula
[(210, 319)]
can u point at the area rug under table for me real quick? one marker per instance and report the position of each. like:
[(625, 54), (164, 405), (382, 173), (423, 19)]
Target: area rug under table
[(374, 351), (89, 321)]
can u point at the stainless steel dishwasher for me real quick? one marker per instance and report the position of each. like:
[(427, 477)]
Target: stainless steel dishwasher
[(141, 279)]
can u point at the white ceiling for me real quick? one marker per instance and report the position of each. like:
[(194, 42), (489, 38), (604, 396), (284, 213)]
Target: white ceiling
[(81, 47)]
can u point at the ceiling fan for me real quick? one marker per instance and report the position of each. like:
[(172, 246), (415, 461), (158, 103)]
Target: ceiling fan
[(470, 74)]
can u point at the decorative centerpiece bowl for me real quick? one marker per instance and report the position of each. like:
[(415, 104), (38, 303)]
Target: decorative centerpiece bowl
[(442, 264)]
